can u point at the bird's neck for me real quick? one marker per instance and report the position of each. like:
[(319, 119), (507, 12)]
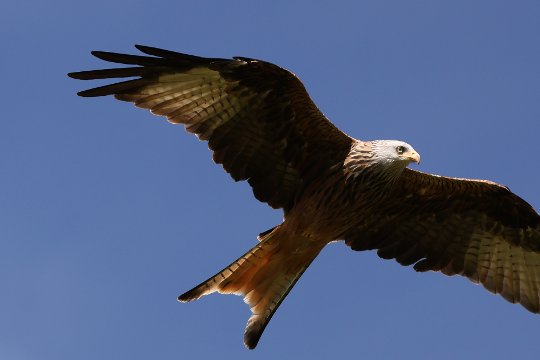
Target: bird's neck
[(366, 169)]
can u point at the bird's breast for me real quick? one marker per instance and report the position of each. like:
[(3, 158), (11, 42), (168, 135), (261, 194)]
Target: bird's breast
[(328, 208)]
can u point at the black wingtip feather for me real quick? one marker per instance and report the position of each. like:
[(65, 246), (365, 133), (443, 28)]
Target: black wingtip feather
[(126, 58), (179, 58), (113, 89), (111, 73), (84, 93), (154, 51), (75, 75)]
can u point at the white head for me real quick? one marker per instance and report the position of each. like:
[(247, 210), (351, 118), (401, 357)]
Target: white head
[(380, 159), (378, 164), (394, 152), (388, 158)]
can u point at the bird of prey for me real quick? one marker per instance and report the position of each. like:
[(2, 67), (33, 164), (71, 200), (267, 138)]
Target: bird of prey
[(263, 127)]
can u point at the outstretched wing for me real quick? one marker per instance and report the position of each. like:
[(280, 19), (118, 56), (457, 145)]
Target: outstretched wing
[(473, 228), (257, 117)]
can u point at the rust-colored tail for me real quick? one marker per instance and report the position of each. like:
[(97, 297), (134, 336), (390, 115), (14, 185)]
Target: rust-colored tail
[(263, 276)]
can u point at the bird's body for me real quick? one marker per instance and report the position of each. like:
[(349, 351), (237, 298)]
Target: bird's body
[(262, 127), (343, 198)]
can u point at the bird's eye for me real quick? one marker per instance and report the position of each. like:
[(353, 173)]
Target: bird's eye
[(400, 149)]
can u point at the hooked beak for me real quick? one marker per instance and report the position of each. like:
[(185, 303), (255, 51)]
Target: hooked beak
[(413, 156)]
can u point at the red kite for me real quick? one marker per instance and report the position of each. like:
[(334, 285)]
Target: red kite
[(262, 127)]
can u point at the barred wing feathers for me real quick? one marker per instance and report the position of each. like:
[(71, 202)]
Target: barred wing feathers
[(474, 228), (257, 117)]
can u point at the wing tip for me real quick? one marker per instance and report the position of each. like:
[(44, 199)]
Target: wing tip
[(145, 48), (87, 93), (74, 75), (95, 92), (100, 54)]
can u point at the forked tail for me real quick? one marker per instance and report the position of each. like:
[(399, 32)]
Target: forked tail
[(263, 276)]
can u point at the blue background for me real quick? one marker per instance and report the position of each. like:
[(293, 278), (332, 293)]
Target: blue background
[(107, 213)]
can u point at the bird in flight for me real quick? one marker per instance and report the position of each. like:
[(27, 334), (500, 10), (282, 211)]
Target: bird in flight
[(262, 126)]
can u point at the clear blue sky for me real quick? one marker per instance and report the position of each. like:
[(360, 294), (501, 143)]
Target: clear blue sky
[(107, 213)]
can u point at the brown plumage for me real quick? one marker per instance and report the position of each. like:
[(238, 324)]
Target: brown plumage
[(262, 127)]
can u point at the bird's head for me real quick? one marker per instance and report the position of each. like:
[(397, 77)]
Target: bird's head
[(395, 152), (384, 160)]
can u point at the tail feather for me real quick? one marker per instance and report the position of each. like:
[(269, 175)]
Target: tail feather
[(258, 321), (263, 276), (222, 282)]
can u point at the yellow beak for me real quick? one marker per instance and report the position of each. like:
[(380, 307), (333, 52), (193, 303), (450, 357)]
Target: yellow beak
[(413, 156)]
